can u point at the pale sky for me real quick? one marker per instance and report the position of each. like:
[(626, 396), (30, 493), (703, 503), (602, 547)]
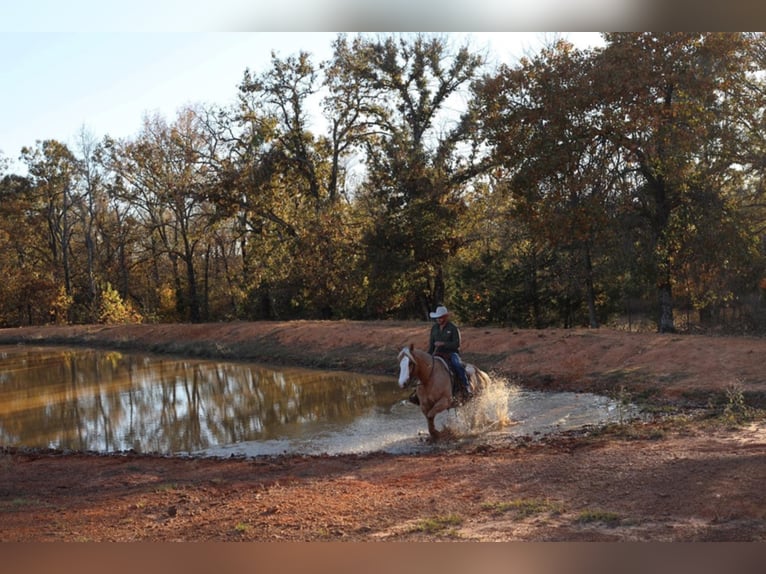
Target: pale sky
[(56, 83), (92, 73)]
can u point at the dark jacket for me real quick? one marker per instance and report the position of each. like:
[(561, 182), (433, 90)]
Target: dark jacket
[(450, 335)]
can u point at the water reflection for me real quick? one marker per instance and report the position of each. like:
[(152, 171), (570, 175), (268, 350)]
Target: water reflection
[(94, 400), (111, 401)]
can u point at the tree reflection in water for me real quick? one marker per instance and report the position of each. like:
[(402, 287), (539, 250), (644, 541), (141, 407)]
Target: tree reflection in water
[(106, 401)]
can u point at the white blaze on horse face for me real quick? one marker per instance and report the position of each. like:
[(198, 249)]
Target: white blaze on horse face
[(404, 371)]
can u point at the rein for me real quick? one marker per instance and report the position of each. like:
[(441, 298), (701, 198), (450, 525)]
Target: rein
[(433, 366)]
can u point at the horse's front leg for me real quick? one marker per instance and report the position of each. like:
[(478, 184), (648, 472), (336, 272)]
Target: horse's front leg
[(440, 405), (432, 429)]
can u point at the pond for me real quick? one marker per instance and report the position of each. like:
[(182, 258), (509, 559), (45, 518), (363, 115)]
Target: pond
[(112, 401)]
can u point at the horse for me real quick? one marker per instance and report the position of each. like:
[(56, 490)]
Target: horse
[(434, 383)]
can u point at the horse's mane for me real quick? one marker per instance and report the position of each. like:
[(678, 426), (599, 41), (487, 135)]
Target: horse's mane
[(407, 352)]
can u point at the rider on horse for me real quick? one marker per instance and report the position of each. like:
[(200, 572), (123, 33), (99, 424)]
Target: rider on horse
[(445, 342)]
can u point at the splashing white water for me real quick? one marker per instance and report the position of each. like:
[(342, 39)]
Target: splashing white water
[(487, 411)]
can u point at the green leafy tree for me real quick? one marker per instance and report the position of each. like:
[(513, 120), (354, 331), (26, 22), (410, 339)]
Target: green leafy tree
[(291, 186)]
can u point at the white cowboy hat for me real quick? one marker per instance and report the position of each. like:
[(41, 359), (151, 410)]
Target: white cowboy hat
[(441, 311)]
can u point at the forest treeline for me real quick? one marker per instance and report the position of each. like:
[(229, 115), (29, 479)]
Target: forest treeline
[(616, 184)]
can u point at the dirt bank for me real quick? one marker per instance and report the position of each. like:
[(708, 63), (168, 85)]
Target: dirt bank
[(671, 367), (680, 478)]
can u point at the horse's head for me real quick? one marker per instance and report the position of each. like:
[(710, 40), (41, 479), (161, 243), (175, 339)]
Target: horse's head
[(406, 366)]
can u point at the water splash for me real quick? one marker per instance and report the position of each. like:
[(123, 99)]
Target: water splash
[(488, 411)]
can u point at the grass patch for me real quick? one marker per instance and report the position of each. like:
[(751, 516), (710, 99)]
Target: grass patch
[(611, 519), (736, 411), (623, 399), (732, 409), (18, 504), (524, 507), (631, 431), (438, 525), (671, 377)]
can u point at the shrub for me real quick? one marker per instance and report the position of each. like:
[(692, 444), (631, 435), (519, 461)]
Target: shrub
[(113, 310)]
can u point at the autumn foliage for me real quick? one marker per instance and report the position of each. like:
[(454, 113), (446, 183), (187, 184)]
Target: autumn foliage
[(620, 184)]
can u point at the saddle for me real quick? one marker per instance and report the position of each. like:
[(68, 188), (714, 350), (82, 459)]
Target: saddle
[(457, 386)]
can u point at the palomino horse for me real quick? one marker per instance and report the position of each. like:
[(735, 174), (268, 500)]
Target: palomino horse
[(434, 384)]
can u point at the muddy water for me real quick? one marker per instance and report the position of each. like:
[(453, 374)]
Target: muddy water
[(95, 400)]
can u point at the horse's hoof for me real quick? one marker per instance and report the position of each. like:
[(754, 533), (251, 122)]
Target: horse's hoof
[(444, 435), (434, 435)]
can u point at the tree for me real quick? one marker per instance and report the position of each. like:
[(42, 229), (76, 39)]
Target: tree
[(415, 168), (563, 177), (291, 196), (668, 111), (89, 208), (53, 172), (626, 145), (282, 93), (162, 176), (26, 292)]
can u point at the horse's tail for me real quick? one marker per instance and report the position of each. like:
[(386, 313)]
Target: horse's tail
[(481, 379)]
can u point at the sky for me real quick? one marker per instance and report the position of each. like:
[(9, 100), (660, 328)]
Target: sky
[(57, 84), (76, 65)]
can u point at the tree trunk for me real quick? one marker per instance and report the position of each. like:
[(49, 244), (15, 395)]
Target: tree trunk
[(193, 288), (589, 291), (666, 322), (438, 294), (662, 250), (65, 240), (532, 295)]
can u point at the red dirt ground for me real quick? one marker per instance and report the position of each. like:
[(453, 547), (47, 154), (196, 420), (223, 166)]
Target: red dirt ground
[(686, 477)]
